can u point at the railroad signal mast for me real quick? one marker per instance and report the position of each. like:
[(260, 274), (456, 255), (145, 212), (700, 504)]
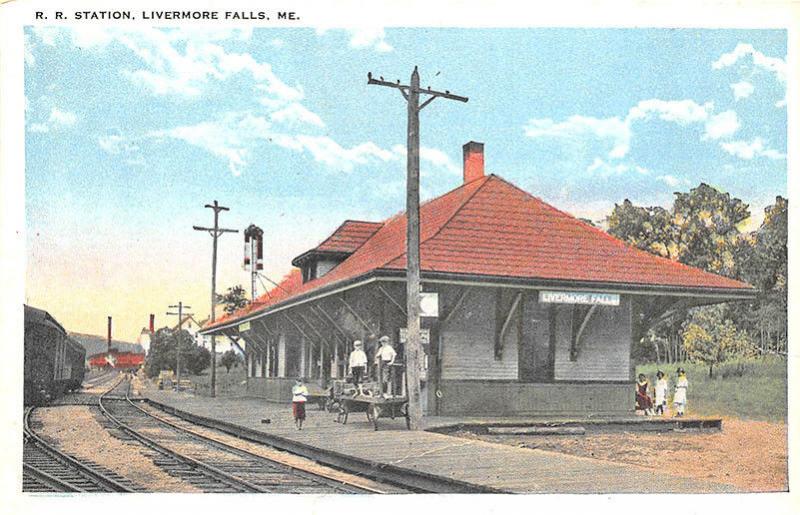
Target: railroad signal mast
[(253, 255), (215, 233), (180, 315), (413, 350)]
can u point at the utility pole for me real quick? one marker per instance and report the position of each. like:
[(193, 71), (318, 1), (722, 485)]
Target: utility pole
[(180, 314), (413, 350), (215, 232)]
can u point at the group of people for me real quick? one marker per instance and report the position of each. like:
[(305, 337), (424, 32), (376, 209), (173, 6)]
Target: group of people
[(384, 359), (657, 404), (357, 368)]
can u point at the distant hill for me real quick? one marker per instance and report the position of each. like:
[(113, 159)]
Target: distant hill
[(97, 344)]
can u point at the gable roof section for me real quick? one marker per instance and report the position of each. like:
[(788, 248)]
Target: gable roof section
[(349, 236), (489, 227)]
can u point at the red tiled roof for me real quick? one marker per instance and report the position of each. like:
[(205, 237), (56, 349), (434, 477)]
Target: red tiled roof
[(490, 227), (283, 290), (349, 236)]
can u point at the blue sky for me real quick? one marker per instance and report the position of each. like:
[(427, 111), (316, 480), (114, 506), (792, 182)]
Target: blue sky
[(129, 134)]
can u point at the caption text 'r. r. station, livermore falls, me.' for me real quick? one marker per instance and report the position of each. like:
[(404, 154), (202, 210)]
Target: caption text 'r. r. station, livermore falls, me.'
[(170, 15)]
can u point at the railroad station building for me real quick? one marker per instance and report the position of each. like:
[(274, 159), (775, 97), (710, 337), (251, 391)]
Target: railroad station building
[(531, 311)]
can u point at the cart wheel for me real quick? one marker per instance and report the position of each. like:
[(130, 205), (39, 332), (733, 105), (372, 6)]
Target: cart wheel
[(332, 406)]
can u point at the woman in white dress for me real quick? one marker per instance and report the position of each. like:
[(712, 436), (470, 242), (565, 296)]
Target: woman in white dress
[(681, 385)]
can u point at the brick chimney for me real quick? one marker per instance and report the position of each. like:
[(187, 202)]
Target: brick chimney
[(152, 323), (473, 161)]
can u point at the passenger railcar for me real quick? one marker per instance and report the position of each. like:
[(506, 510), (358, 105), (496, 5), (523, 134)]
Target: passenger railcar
[(54, 362)]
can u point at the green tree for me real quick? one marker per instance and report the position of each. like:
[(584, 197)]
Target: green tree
[(234, 299), (762, 258), (700, 229), (163, 354), (710, 338), (230, 359)]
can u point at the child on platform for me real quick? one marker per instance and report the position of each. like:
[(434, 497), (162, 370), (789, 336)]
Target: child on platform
[(299, 397), (681, 386), (661, 390)]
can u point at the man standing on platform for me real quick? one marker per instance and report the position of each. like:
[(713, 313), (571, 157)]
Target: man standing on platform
[(358, 365), (384, 358)]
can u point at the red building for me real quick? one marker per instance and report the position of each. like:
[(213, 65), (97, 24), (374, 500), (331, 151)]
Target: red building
[(117, 360)]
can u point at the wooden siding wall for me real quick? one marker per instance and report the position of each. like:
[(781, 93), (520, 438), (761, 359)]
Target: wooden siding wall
[(468, 341), (478, 398), (604, 353)]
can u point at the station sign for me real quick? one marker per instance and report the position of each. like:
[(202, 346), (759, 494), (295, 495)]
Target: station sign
[(424, 335), (244, 327), (579, 297)]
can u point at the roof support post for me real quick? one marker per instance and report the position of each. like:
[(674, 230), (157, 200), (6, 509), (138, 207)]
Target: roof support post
[(461, 296), (498, 351), (322, 339), (325, 319), (353, 312), (392, 300), (300, 329), (575, 345), (235, 340)]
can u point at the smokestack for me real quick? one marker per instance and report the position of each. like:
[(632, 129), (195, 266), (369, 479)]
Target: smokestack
[(473, 161), (109, 334), (152, 323)]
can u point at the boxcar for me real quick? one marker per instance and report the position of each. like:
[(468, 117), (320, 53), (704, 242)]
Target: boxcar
[(54, 362)]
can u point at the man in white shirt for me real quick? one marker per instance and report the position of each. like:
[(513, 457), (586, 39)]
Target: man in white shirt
[(358, 364), (384, 358)]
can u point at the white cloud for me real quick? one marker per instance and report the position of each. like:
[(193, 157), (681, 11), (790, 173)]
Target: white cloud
[(434, 156), (614, 130), (682, 112), (115, 143), (374, 38), (58, 119), (179, 61), (749, 150), (722, 125), (296, 113), (672, 181), (38, 127), (618, 131), (773, 65), (742, 89), (364, 37), (604, 169), (63, 118)]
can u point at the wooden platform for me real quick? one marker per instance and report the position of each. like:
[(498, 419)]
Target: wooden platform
[(494, 467)]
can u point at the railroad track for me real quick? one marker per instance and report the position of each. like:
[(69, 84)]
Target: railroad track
[(46, 469), (207, 463)]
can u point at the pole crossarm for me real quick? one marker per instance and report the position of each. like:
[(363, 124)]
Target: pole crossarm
[(405, 88)]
